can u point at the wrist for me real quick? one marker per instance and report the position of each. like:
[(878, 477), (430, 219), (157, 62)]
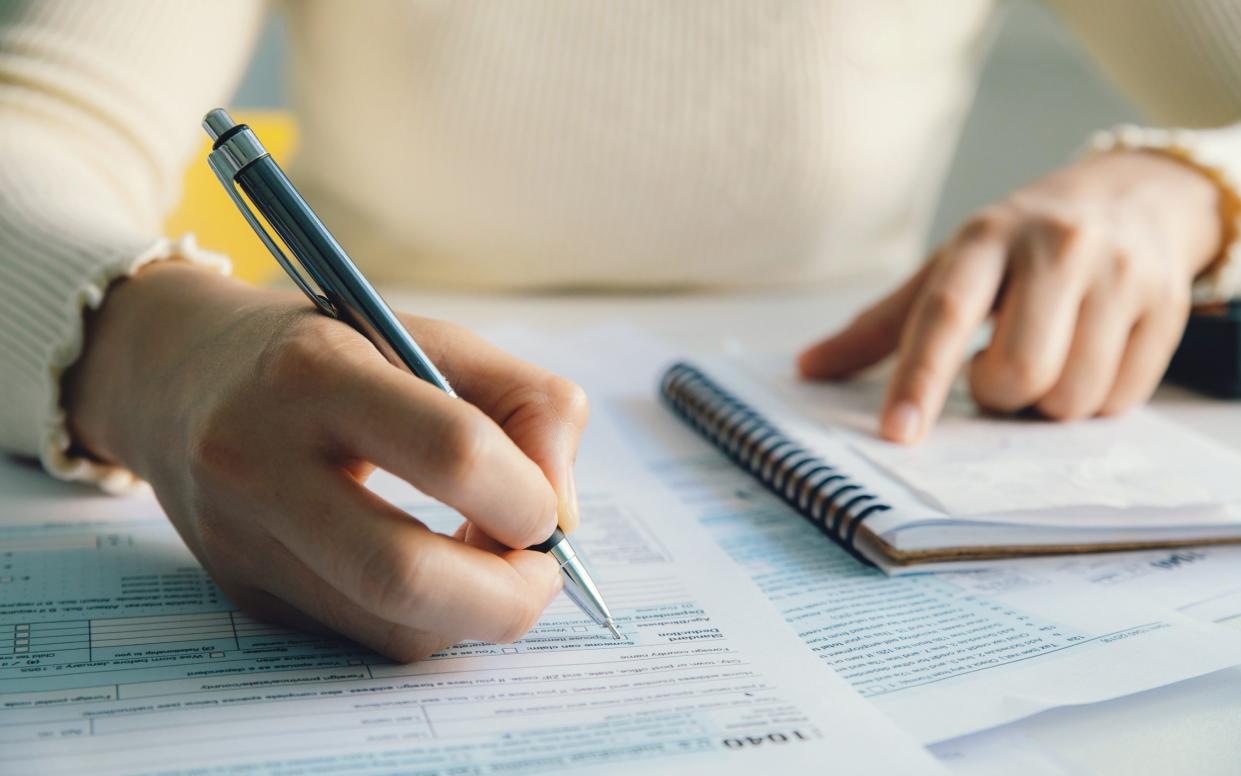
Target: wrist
[(1200, 227), (119, 387), (1176, 198)]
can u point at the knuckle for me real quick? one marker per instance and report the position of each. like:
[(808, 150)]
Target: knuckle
[(568, 399), (1023, 374), (1059, 227), (395, 577), (460, 446), (947, 306), (986, 224), (1009, 383), (1122, 268), (1047, 241), (216, 455), (1056, 240), (524, 612), (304, 353), (295, 359)]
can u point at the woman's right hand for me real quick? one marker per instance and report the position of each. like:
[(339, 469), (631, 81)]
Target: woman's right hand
[(256, 420)]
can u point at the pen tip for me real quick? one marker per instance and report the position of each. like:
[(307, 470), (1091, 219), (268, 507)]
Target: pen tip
[(612, 627)]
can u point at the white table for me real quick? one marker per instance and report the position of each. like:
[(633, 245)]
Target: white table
[(1193, 727)]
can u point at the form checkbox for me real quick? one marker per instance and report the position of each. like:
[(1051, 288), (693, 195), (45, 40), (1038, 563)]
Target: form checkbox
[(21, 649), (579, 628), (509, 650), (217, 654)]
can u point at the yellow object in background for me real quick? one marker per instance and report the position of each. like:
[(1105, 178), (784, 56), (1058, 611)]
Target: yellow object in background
[(207, 211)]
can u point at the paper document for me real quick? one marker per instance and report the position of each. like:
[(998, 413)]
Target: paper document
[(975, 465), (1201, 582), (118, 654), (943, 655), (1005, 751), (917, 645), (1159, 722)]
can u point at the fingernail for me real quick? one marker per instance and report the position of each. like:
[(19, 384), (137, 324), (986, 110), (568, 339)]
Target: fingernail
[(567, 509), (902, 422)]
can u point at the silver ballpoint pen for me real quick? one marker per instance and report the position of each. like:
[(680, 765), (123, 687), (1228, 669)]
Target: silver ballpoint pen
[(238, 159)]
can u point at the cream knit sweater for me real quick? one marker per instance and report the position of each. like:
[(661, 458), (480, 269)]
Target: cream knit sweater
[(643, 143)]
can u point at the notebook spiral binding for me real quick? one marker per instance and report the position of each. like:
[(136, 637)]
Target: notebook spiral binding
[(820, 492)]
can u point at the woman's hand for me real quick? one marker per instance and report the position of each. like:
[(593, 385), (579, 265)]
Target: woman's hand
[(1087, 274), (256, 420)]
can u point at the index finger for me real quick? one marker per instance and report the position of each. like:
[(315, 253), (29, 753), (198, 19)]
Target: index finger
[(445, 447), (543, 413), (957, 298)]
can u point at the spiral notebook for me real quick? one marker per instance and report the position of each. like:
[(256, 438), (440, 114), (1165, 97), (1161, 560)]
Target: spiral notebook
[(980, 489)]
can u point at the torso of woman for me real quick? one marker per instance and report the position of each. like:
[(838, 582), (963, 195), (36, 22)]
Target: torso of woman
[(643, 144)]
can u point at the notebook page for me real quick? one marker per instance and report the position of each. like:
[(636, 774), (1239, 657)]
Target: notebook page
[(1152, 469)]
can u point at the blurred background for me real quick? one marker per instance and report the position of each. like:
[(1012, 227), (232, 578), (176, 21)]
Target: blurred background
[(1039, 99)]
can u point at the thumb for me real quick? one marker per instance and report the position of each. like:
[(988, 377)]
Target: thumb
[(547, 425), (867, 340)]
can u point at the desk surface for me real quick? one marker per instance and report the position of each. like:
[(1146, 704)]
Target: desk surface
[(1187, 728)]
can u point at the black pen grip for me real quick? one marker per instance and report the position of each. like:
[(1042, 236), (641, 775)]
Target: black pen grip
[(556, 538)]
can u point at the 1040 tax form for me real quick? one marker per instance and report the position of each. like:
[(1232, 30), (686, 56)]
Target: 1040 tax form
[(118, 654)]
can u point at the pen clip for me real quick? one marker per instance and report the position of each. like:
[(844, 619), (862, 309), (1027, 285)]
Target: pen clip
[(322, 302)]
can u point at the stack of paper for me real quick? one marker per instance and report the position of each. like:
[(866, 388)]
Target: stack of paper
[(751, 641)]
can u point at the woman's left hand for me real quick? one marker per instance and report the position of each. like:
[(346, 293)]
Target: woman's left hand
[(1087, 274)]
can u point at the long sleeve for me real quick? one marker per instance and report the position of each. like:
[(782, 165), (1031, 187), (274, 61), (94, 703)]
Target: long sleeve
[(99, 111), (1181, 63)]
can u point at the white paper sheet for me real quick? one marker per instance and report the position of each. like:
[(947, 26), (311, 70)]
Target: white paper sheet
[(117, 654), (945, 655), (943, 658), (1202, 582), (1142, 733), (972, 465), (1006, 751)]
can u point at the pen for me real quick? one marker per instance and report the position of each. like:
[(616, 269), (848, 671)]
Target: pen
[(339, 290)]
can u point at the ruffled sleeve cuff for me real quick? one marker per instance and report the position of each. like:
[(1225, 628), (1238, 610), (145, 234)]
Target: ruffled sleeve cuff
[(55, 448)]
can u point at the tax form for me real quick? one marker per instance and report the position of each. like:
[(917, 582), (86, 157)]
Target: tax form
[(949, 654), (118, 654), (1091, 739), (943, 654)]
